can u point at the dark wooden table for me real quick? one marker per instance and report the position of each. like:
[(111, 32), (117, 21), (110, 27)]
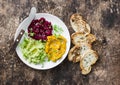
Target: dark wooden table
[(102, 15)]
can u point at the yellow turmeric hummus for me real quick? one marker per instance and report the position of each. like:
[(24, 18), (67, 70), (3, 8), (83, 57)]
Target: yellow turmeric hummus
[(55, 47)]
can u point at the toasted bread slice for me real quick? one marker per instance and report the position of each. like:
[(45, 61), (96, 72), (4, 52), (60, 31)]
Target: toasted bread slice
[(74, 54), (90, 57), (78, 38), (84, 47), (78, 24)]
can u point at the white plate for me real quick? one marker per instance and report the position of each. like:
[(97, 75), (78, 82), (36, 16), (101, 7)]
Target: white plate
[(54, 20)]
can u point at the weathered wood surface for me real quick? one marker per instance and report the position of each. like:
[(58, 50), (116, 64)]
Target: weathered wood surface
[(104, 19)]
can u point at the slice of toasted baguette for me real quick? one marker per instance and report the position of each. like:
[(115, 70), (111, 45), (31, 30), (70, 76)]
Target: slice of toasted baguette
[(90, 57), (74, 54), (84, 47), (78, 38), (78, 24)]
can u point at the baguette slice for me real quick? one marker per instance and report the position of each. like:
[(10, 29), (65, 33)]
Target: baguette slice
[(79, 25), (84, 48), (78, 38), (90, 57), (74, 54)]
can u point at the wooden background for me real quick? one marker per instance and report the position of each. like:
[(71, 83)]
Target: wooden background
[(102, 15)]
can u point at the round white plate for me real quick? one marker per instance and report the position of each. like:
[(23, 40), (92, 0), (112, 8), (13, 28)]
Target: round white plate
[(54, 20)]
